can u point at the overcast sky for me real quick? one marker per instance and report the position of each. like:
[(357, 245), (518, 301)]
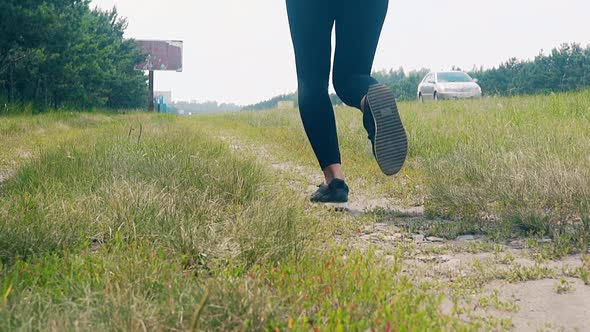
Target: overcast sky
[(240, 50)]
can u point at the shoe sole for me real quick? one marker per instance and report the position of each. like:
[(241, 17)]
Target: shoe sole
[(391, 141)]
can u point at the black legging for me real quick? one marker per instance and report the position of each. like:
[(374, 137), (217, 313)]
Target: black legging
[(358, 27)]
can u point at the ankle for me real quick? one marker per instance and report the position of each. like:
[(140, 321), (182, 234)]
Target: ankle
[(363, 104), (329, 180), (333, 172)]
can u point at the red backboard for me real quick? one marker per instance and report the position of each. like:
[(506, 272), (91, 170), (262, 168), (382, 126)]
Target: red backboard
[(161, 55)]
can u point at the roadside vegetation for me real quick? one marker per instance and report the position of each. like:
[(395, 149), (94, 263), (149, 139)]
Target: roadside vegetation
[(133, 222), (505, 166), (147, 222), (61, 54)]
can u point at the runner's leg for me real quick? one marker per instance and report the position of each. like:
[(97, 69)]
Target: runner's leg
[(358, 28), (311, 23)]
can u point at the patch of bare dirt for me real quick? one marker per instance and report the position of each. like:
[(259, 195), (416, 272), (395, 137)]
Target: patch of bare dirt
[(5, 175), (541, 308), (360, 204)]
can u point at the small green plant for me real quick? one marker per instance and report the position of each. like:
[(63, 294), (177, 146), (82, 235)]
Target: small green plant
[(563, 286), (506, 258), (493, 301), (519, 272), (584, 270)]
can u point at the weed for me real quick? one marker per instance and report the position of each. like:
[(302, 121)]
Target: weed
[(519, 273), (493, 301), (584, 270), (563, 286)]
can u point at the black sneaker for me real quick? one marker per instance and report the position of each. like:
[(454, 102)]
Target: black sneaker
[(387, 134), (336, 192)]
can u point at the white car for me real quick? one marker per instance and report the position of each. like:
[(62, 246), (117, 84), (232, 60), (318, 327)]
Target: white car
[(448, 85)]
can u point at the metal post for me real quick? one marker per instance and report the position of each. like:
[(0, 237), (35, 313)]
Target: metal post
[(151, 92)]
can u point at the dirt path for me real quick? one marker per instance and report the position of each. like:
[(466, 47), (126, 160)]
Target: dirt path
[(508, 281), (5, 175), (534, 295), (542, 309)]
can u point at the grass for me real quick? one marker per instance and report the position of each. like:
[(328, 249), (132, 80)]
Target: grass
[(499, 166), (142, 222), (563, 286), (141, 191), (148, 222)]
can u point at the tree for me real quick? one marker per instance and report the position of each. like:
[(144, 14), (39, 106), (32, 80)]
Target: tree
[(60, 53), (566, 68)]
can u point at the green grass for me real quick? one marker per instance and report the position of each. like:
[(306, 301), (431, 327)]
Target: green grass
[(496, 165), (145, 222)]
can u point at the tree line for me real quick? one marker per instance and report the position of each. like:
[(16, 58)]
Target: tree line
[(272, 102), (63, 54), (565, 68)]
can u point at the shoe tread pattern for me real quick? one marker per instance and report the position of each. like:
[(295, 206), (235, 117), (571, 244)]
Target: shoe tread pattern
[(391, 141)]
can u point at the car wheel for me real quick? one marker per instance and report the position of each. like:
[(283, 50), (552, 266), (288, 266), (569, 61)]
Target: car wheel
[(421, 98), (435, 97)]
